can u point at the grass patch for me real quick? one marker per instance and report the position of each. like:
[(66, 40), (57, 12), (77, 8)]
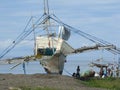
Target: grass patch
[(36, 88), (107, 83)]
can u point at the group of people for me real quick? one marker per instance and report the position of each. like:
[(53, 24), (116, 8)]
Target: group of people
[(84, 75), (103, 73), (110, 72)]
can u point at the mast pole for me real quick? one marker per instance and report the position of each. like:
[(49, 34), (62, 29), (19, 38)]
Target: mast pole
[(47, 23), (46, 7), (34, 36), (46, 12)]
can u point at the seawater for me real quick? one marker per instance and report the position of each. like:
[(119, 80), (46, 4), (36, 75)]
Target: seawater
[(35, 67), (69, 68)]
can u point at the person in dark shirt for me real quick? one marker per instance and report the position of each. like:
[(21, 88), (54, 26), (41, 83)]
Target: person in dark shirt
[(78, 72)]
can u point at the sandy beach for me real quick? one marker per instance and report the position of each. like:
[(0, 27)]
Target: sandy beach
[(60, 82)]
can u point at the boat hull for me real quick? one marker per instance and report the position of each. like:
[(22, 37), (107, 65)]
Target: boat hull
[(52, 53), (54, 65)]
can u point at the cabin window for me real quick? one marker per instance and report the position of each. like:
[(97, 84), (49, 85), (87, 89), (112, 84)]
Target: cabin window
[(46, 51)]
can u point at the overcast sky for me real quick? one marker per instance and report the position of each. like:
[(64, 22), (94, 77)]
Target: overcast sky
[(100, 18)]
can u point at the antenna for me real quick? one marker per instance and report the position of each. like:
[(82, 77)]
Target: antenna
[(46, 7)]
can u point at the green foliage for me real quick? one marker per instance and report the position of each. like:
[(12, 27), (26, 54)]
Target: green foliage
[(108, 83), (36, 88)]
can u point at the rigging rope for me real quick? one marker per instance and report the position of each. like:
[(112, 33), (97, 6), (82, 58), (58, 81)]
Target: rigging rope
[(23, 35), (94, 39), (42, 20), (67, 72)]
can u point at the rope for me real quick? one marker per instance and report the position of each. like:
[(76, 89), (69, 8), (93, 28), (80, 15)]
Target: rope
[(22, 36), (94, 39), (44, 18), (67, 72)]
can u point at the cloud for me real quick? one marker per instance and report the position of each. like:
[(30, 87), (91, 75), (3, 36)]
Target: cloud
[(76, 2), (32, 1), (25, 43), (26, 14), (5, 43), (66, 4)]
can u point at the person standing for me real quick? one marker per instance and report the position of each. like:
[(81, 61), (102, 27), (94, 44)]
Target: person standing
[(117, 72), (78, 72), (78, 69)]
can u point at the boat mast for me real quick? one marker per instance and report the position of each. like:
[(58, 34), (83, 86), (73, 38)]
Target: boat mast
[(48, 23), (46, 13), (46, 7), (34, 35)]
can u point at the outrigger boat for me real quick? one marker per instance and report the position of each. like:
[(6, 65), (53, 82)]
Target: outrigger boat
[(51, 47)]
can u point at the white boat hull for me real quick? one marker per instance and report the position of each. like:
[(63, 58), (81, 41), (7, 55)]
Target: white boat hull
[(52, 53), (54, 65)]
